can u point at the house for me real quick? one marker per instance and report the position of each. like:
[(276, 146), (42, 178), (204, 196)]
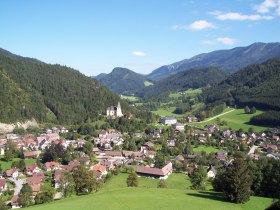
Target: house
[(12, 172), (171, 142), (3, 185), (71, 165), (179, 158), (211, 172), (14, 202), (191, 119), (31, 154), (50, 137), (51, 166), (254, 156), (212, 128), (168, 120), (178, 126), (107, 163), (269, 148), (31, 169), (113, 154), (85, 160), (34, 180), (155, 172), (275, 138), (99, 168), (221, 155), (114, 111), (96, 150)]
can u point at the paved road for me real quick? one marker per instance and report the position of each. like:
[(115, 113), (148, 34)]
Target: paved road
[(18, 186), (252, 149), (212, 118)]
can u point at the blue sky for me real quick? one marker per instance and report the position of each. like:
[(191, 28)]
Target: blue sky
[(94, 36)]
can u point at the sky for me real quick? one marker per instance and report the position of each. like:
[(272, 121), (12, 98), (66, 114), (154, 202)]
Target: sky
[(94, 36)]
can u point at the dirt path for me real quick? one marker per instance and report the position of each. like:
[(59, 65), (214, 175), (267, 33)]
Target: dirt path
[(212, 118)]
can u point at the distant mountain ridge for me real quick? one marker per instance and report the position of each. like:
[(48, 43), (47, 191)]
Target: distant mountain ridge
[(123, 81), (229, 60), (191, 78)]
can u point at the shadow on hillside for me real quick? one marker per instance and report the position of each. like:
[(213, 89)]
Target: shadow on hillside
[(209, 195)]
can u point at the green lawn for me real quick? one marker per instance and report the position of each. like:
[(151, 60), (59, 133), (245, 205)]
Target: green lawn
[(130, 98), (168, 112), (6, 165), (236, 119), (205, 149), (152, 198), (147, 83)]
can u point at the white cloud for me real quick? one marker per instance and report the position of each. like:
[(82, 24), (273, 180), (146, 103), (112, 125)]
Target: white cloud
[(197, 25), (201, 25), (239, 16), (139, 53), (266, 6), (226, 40)]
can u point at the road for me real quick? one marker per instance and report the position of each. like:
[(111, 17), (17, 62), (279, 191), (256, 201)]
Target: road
[(212, 118), (18, 184), (252, 149)]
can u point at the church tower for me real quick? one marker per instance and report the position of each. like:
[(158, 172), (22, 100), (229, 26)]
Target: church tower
[(119, 110)]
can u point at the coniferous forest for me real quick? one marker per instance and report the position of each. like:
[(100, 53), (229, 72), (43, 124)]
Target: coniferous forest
[(49, 93)]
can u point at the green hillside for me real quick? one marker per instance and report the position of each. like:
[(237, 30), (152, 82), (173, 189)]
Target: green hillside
[(191, 78), (255, 85), (49, 93), (123, 81), (117, 196)]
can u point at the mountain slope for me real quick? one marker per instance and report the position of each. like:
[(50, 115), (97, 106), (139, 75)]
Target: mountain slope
[(123, 81), (33, 89), (229, 60), (191, 78), (255, 85)]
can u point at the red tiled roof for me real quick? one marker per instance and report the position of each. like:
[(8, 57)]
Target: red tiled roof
[(2, 182)]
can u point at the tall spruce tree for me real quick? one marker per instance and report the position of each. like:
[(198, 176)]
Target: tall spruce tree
[(237, 180)]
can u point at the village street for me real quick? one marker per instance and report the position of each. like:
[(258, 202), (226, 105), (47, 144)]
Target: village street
[(18, 184)]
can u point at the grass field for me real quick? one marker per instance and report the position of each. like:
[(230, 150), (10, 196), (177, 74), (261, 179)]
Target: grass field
[(6, 165), (236, 119), (116, 196), (205, 149), (147, 83), (130, 98), (168, 112)]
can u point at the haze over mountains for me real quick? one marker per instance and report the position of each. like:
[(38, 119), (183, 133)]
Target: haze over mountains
[(179, 75), (228, 60)]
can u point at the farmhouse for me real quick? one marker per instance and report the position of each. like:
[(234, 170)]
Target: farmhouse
[(168, 120), (155, 172)]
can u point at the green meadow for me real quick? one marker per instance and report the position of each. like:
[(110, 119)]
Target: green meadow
[(236, 119), (116, 196), (7, 164)]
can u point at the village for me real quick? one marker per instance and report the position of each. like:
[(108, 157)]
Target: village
[(161, 152)]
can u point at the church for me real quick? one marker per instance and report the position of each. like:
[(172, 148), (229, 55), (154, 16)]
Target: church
[(114, 111)]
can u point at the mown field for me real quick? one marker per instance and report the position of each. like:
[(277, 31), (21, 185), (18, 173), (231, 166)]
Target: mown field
[(236, 119), (116, 196), (201, 148), (7, 164)]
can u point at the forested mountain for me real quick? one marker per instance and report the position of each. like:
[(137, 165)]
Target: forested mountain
[(191, 78), (255, 85), (123, 81), (229, 60), (49, 93)]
